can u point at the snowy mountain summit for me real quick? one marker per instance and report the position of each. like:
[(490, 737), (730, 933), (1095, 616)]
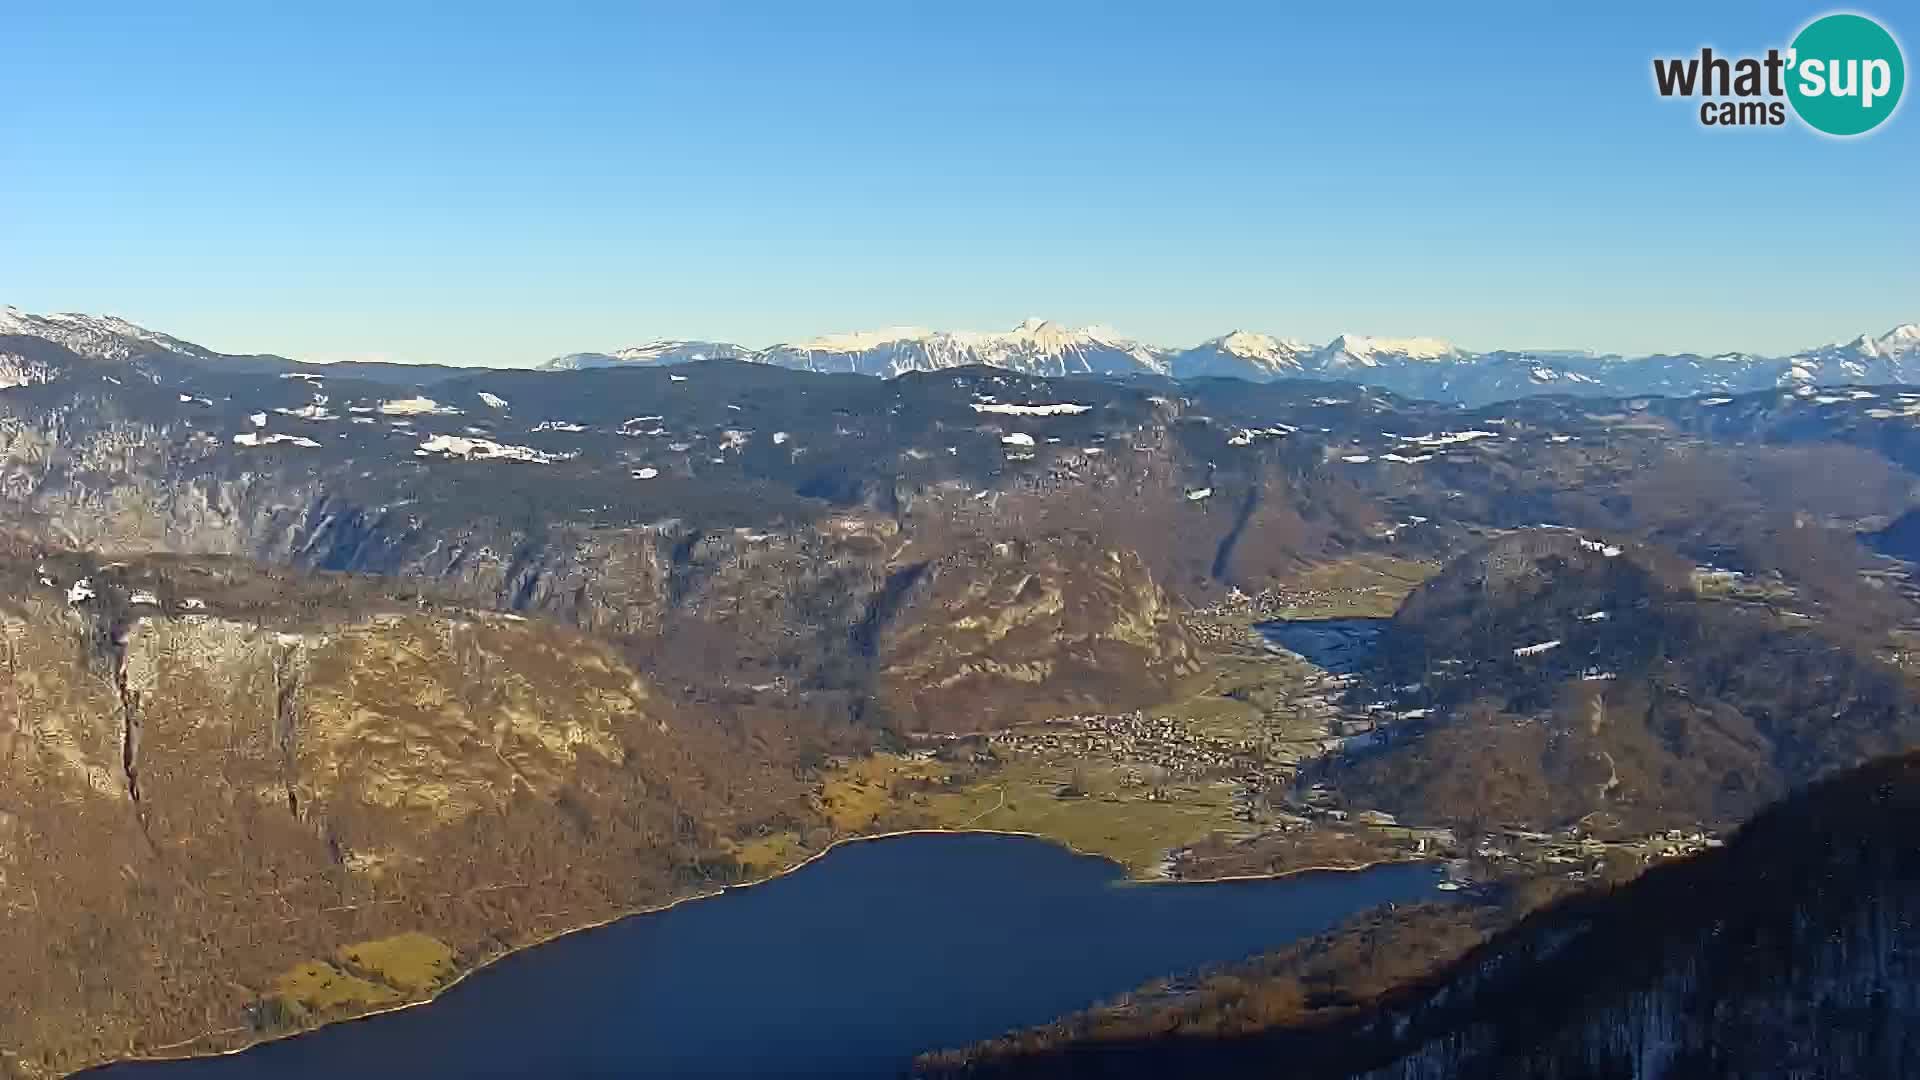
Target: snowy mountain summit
[(1357, 350), (1420, 367), (663, 351), (1243, 354), (1036, 347), (97, 337)]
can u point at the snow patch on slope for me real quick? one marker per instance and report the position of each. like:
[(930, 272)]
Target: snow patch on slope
[(472, 449)]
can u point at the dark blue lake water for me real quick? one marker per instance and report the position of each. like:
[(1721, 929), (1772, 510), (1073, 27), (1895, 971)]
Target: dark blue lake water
[(1338, 645), (847, 967)]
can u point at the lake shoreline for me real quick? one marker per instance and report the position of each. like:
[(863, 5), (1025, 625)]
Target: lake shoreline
[(165, 1054)]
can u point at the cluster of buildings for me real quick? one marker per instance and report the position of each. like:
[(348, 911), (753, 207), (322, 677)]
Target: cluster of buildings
[(1278, 602), (1155, 749), (1576, 854)]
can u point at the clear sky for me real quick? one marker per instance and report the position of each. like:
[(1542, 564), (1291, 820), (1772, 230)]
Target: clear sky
[(481, 183)]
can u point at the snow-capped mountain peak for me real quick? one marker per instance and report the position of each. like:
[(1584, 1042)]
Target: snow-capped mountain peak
[(1371, 351), (1049, 336), (659, 351), (97, 337), (1253, 346), (1037, 346), (1416, 366), (862, 340), (1243, 354), (1419, 367), (654, 350), (1892, 357), (1901, 339)]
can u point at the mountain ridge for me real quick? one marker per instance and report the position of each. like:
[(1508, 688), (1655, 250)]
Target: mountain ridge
[(1418, 366), (1421, 367)]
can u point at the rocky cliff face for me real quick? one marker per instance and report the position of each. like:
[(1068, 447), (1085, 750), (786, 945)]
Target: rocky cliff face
[(762, 567), (1014, 631), (211, 778)]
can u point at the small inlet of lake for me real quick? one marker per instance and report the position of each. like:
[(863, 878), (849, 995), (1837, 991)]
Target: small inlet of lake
[(1337, 645), (847, 967)]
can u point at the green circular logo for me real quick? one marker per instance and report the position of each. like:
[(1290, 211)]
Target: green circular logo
[(1845, 74)]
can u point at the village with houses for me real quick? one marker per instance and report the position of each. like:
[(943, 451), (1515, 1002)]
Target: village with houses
[(1239, 757)]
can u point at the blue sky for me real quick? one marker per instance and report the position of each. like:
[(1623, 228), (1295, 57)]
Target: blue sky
[(497, 184)]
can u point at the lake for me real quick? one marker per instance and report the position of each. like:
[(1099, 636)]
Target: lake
[(1337, 645), (847, 967)]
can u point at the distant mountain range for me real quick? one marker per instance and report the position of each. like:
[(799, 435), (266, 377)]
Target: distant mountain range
[(1035, 347), (1418, 367)]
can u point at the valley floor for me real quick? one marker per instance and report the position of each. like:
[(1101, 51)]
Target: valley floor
[(1203, 787)]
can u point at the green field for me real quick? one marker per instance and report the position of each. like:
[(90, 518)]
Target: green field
[(1122, 824)]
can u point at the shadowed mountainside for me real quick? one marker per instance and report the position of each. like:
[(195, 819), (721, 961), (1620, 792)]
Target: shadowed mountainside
[(1571, 681), (1789, 952)]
